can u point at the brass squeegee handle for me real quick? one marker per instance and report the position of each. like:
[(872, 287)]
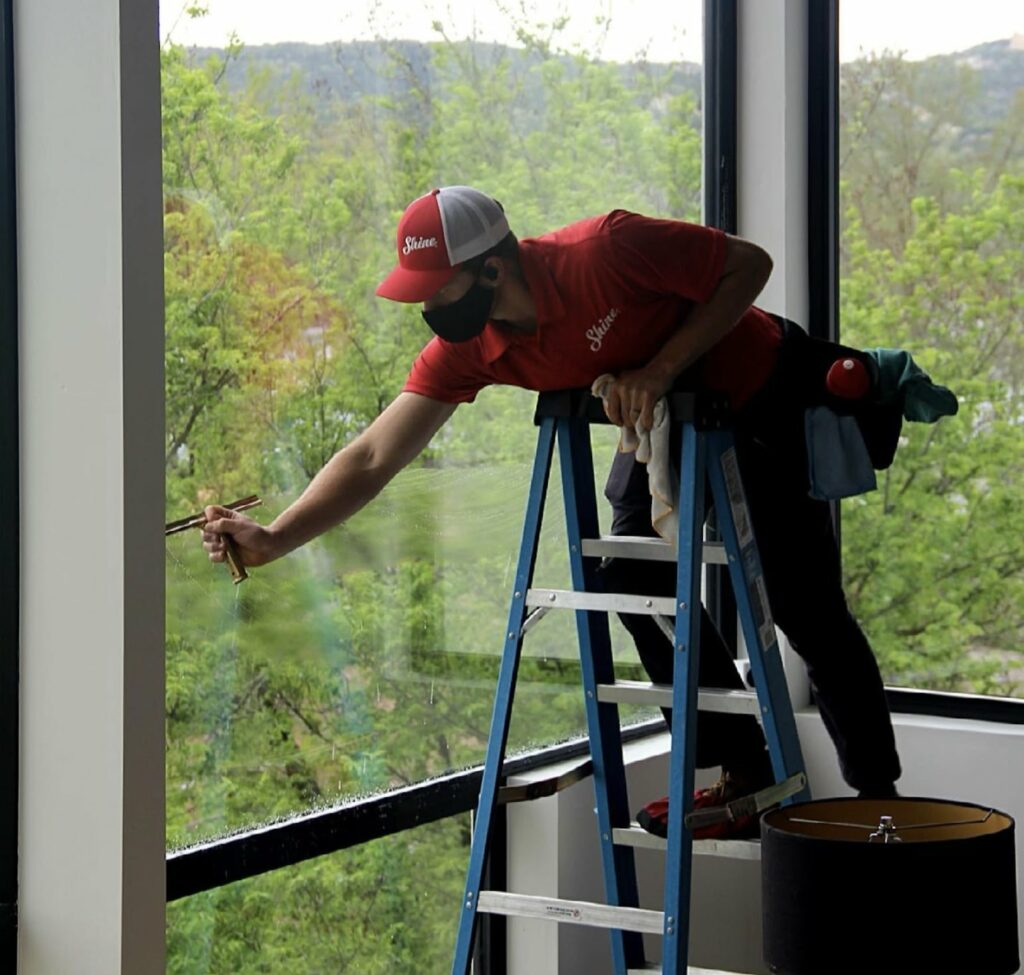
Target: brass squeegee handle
[(231, 554)]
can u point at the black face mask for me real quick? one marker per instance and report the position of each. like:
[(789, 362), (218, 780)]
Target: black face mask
[(464, 319)]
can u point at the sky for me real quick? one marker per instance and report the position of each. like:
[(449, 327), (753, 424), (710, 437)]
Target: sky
[(917, 27)]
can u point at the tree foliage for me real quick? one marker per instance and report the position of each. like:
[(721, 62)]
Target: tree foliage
[(933, 560), (367, 659)]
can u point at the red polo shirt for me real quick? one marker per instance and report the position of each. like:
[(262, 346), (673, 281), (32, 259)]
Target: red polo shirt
[(609, 292)]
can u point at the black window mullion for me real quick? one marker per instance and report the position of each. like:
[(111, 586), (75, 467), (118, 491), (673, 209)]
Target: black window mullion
[(720, 206), (823, 182), (720, 114), (9, 507), (823, 169), (226, 861)]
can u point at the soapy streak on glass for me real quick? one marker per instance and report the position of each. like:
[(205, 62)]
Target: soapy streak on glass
[(464, 524), (368, 658)]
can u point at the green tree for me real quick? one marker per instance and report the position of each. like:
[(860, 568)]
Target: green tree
[(237, 315), (934, 560), (901, 125)]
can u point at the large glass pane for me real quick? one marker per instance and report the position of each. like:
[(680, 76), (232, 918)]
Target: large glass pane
[(384, 907), (368, 658), (932, 261)]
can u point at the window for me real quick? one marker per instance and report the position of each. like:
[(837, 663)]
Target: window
[(367, 659), (931, 163)]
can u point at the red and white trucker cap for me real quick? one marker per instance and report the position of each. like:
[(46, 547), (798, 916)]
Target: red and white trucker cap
[(437, 233)]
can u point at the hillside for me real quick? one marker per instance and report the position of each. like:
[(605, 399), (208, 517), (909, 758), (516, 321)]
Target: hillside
[(354, 70), (1000, 69)]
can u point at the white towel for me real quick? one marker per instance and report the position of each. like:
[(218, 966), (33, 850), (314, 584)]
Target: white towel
[(652, 449)]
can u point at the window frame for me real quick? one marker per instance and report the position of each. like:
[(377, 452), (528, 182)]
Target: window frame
[(257, 851), (307, 836)]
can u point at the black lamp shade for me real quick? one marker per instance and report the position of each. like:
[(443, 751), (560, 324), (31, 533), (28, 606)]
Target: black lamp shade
[(934, 892)]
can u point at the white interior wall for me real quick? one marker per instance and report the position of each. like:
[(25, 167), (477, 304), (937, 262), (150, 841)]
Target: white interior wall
[(553, 851), (553, 848), (771, 177), (772, 145), (91, 827)]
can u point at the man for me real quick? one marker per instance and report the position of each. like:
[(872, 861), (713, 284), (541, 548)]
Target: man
[(656, 303)]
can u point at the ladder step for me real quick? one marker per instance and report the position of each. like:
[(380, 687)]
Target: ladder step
[(650, 549), (605, 602), (637, 837), (571, 912), (660, 695)]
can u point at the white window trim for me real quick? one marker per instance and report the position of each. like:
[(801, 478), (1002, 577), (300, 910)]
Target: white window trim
[(91, 825)]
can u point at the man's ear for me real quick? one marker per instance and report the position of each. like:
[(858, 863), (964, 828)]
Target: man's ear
[(491, 272)]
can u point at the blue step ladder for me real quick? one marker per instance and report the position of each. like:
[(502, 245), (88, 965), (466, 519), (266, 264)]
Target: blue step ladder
[(707, 449)]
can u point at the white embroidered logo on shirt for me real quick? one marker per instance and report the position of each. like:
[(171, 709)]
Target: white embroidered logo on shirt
[(418, 243), (600, 330)]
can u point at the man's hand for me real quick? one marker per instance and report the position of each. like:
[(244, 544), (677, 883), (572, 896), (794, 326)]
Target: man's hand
[(631, 398), (255, 543)]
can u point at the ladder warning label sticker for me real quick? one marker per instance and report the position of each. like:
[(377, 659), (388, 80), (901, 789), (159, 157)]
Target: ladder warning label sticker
[(555, 910), (762, 611), (737, 501)]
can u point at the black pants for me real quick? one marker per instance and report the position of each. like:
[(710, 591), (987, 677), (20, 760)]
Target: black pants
[(803, 576)]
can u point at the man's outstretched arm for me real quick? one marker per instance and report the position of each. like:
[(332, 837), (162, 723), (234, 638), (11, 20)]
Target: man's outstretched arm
[(353, 477)]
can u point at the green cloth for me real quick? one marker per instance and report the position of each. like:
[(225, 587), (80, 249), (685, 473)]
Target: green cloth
[(900, 378)]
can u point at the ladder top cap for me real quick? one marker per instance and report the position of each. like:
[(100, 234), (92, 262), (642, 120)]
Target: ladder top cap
[(705, 410)]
